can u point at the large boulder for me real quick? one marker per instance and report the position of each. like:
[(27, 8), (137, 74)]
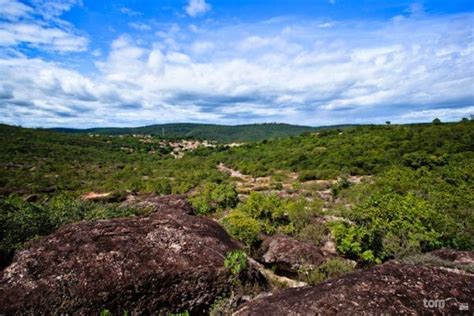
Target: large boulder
[(391, 288), (167, 261), (289, 255)]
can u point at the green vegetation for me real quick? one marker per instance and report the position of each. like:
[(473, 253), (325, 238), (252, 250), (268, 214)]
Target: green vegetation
[(330, 269), (215, 197), (236, 261), (388, 226), (21, 221), (394, 190), (356, 151), (242, 227), (221, 133), (46, 163)]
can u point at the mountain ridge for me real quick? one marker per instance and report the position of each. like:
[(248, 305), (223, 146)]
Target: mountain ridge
[(221, 133)]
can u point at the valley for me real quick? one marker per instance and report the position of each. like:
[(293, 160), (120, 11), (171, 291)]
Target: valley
[(196, 226)]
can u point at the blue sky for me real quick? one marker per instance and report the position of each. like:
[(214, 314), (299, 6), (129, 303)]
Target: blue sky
[(91, 63)]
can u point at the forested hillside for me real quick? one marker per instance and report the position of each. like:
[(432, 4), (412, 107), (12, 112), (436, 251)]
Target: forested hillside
[(377, 192), (221, 133)]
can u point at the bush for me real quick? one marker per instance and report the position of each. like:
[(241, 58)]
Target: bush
[(214, 197), (387, 226), (314, 233), (340, 185), (331, 269), (302, 212), (242, 227), (269, 210), (236, 261), (21, 221)]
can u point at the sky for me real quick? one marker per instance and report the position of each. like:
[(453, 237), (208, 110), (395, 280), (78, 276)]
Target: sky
[(91, 63)]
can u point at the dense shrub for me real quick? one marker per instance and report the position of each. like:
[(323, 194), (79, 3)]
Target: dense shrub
[(387, 226), (21, 221), (269, 209), (276, 214), (242, 227), (215, 197)]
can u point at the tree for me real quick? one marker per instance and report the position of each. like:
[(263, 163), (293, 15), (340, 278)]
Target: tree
[(436, 121)]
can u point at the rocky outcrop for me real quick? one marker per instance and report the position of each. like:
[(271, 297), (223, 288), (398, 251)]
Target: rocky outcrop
[(288, 255), (455, 256), (167, 261), (391, 288)]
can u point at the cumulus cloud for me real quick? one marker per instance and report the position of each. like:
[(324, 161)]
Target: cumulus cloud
[(293, 71), (53, 8), (12, 10), (39, 26), (12, 34), (197, 7)]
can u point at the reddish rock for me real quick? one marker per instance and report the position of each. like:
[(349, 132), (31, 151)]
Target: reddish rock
[(165, 262), (391, 288), (289, 254)]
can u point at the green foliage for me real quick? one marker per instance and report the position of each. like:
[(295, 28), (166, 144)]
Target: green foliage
[(221, 133), (105, 312), (21, 221), (242, 227), (221, 306), (314, 233), (330, 269), (236, 261), (341, 184), (275, 214), (185, 313), (420, 173), (388, 226), (214, 197), (355, 151), (269, 210)]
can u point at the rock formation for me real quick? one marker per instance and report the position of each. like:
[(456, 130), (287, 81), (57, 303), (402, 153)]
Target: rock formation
[(168, 261), (390, 288)]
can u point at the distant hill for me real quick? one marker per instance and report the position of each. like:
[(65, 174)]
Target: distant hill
[(221, 133)]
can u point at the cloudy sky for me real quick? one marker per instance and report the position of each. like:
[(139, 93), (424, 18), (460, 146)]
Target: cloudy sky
[(85, 63)]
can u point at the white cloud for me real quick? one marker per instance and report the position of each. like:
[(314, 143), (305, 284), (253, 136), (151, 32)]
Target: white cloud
[(12, 34), (448, 114), (53, 8), (39, 26), (12, 9), (139, 26), (292, 71), (199, 47), (197, 7)]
